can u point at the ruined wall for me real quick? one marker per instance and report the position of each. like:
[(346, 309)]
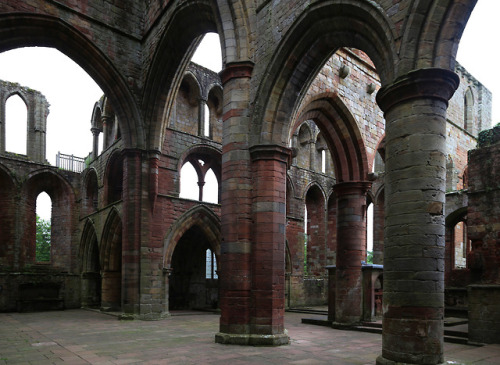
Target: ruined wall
[(20, 182), (483, 209), (37, 109)]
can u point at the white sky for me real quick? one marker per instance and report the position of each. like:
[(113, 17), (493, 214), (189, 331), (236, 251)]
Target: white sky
[(479, 49), (72, 93)]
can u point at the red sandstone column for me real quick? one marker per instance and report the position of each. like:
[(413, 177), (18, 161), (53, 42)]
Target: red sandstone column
[(236, 203), (131, 237), (413, 300), (269, 166), (351, 250)]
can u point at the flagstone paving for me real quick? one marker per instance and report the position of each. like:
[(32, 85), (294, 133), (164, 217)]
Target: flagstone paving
[(87, 337)]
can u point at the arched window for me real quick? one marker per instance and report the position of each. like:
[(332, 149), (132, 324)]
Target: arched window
[(206, 123), (198, 181), (43, 228), (16, 125), (323, 161), (189, 182), (461, 245), (369, 234), (211, 265), (211, 188)]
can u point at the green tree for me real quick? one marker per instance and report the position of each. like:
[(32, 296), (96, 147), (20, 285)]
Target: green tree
[(369, 257), (42, 239)]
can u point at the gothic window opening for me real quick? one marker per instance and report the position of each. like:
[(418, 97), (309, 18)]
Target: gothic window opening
[(323, 161), (369, 234), (43, 228), (193, 264), (461, 245), (115, 179), (211, 265), (16, 125), (211, 188), (206, 124), (198, 181), (189, 182)]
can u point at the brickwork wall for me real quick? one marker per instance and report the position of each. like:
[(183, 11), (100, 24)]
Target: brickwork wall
[(355, 92)]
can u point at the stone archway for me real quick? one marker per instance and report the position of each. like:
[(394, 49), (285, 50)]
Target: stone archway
[(111, 262), (185, 258), (91, 267)]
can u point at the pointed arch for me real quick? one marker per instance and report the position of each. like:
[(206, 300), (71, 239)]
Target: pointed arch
[(314, 185), (320, 30), (200, 216), (111, 242), (111, 261), (341, 133), (89, 248), (113, 178), (26, 30), (90, 267), (62, 195), (469, 110), (437, 27), (90, 191), (163, 79)]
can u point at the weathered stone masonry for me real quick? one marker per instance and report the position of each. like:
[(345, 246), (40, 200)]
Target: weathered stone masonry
[(138, 52)]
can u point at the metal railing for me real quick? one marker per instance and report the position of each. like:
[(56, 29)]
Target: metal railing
[(70, 162)]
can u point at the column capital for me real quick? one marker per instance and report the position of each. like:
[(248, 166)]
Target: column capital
[(235, 70), (154, 154), (352, 187), (270, 152), (436, 83)]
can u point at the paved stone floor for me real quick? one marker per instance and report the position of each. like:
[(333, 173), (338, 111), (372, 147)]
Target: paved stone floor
[(86, 337)]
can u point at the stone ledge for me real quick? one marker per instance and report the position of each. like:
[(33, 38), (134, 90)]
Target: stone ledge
[(252, 340)]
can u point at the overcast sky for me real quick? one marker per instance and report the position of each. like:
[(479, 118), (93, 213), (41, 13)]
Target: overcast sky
[(72, 93)]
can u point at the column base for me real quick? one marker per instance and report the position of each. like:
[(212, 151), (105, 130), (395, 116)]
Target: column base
[(252, 340), (383, 361)]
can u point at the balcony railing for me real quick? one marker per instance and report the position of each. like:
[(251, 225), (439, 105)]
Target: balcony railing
[(70, 162)]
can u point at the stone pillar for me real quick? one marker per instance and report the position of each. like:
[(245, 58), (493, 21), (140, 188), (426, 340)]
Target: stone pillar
[(269, 166), (201, 184), (378, 231), (105, 131), (236, 202), (413, 298), (131, 236), (331, 292), (351, 250), (38, 110), (201, 117), (251, 312), (154, 162), (95, 142)]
